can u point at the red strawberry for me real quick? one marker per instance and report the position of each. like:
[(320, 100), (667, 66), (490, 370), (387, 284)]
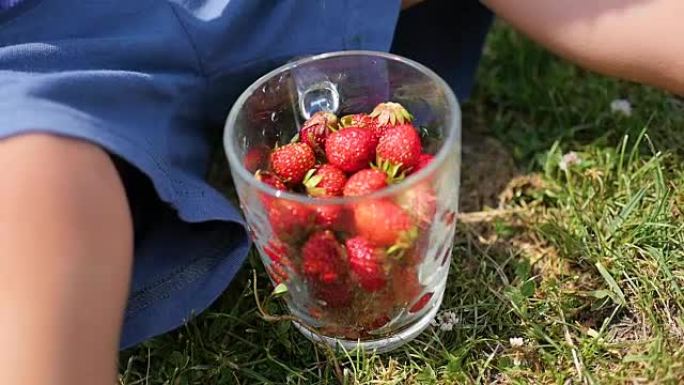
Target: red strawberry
[(379, 322), (334, 295), (277, 273), (423, 161), (270, 179), (326, 181), (323, 266), (420, 304), (365, 182), (366, 263), (405, 285), (350, 149), (315, 131), (280, 262), (290, 221), (416, 254), (389, 114), (363, 121), (383, 223), (323, 259), (292, 161), (331, 217), (399, 149), (276, 251), (255, 158), (420, 202)]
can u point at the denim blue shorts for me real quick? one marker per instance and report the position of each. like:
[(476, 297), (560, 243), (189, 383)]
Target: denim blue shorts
[(151, 81)]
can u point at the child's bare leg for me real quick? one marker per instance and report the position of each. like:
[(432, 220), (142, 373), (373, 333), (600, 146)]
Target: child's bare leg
[(65, 260)]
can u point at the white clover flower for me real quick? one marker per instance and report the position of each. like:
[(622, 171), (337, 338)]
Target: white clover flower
[(445, 321), (621, 106), (569, 159), (446, 327), (516, 342)]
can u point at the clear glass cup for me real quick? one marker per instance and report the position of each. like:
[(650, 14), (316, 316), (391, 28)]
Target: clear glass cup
[(340, 309)]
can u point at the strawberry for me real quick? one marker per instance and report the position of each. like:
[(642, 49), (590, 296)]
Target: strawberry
[(423, 161), (390, 114), (405, 284), (279, 261), (323, 259), (277, 273), (315, 131), (332, 217), (255, 158), (398, 149), (365, 182), (270, 179), (350, 149), (276, 251), (420, 304), (326, 181), (290, 221), (420, 202), (416, 254), (379, 322), (292, 161), (334, 295), (366, 263), (323, 267), (363, 121), (384, 223)]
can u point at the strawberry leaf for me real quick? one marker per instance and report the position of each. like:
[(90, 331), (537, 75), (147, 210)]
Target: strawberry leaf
[(346, 121), (308, 175), (279, 290)]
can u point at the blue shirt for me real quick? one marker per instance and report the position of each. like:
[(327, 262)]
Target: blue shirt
[(151, 81)]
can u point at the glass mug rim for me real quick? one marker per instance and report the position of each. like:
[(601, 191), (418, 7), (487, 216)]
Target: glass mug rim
[(454, 127)]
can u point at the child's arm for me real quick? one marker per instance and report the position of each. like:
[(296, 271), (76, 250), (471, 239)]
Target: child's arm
[(65, 258), (640, 40)]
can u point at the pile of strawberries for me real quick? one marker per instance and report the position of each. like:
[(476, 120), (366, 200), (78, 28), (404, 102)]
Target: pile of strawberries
[(359, 261)]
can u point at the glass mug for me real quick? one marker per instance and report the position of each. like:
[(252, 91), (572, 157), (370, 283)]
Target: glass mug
[(409, 280)]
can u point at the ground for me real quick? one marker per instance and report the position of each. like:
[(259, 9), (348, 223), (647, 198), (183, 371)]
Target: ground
[(569, 258)]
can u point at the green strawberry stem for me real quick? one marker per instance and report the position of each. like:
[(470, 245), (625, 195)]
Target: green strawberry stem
[(392, 170), (311, 183), (346, 121), (404, 242)]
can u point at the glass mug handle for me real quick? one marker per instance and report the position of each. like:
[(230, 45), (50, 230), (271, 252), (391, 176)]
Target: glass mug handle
[(315, 91)]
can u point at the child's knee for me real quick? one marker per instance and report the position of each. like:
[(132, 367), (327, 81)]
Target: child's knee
[(62, 180)]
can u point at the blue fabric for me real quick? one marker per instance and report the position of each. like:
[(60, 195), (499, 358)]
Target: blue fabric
[(150, 81), (6, 4), (447, 36)]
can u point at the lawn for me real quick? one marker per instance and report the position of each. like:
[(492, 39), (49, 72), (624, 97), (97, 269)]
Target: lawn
[(568, 264)]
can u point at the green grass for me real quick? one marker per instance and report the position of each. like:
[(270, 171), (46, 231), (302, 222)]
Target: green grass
[(585, 265)]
